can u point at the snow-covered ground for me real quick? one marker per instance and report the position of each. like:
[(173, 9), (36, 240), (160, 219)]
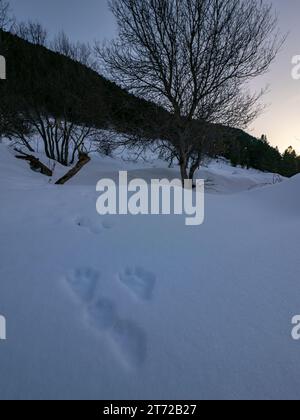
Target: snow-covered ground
[(123, 307)]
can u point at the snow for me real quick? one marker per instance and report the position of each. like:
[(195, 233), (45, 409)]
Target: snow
[(123, 307)]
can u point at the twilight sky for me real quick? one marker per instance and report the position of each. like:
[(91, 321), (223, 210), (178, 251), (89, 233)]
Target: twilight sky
[(90, 20)]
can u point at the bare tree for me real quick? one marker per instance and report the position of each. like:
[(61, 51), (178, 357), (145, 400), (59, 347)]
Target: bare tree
[(195, 59), (63, 140), (6, 19), (32, 32), (77, 51)]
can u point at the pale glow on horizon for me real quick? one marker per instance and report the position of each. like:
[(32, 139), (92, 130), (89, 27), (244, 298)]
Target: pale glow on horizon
[(281, 120), (281, 123)]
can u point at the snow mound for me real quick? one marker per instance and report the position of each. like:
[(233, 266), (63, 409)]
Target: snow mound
[(282, 199), (16, 173)]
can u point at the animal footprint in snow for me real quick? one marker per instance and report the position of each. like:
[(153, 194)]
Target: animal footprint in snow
[(102, 315), (126, 339), (83, 282), (108, 224), (139, 281), (88, 224), (129, 343)]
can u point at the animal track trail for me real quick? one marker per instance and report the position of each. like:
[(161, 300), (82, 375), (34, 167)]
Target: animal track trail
[(139, 281), (102, 315), (83, 283), (86, 223), (129, 343), (93, 227), (126, 339), (108, 224)]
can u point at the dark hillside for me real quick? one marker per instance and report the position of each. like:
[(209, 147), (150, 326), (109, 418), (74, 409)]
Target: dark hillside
[(61, 86)]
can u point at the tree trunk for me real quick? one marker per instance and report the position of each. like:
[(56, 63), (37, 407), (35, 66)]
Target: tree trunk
[(192, 173), (183, 172), (26, 143), (83, 160), (183, 162), (35, 164), (196, 161)]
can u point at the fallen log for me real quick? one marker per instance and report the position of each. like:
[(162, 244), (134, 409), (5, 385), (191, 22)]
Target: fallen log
[(35, 164), (83, 160)]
